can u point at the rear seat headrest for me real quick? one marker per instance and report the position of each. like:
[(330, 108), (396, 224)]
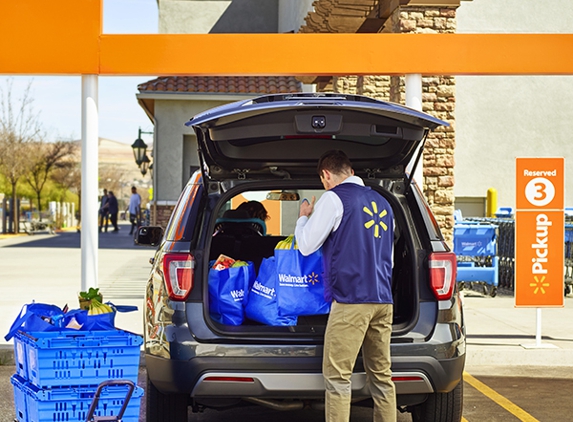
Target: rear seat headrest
[(236, 218), (236, 214)]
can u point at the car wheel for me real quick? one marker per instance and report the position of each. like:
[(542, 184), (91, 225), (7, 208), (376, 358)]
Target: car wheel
[(441, 407), (165, 407)]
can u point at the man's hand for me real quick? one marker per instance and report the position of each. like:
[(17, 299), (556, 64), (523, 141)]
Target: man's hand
[(306, 207)]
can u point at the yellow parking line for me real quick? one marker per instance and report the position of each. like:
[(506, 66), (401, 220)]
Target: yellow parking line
[(464, 419), (515, 410)]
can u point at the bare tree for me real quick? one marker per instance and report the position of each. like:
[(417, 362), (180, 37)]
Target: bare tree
[(44, 158), (111, 177), (19, 126)]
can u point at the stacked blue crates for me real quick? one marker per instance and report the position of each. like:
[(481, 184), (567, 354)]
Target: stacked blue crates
[(475, 245), (58, 372)]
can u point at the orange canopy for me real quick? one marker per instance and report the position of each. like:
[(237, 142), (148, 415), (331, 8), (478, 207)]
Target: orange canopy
[(64, 37)]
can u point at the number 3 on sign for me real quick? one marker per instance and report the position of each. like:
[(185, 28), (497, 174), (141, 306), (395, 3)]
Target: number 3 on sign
[(539, 191)]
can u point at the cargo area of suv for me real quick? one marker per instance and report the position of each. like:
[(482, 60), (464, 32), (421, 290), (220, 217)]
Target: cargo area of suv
[(241, 239), (266, 149)]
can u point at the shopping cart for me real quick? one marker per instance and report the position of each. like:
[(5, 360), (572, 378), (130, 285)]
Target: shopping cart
[(475, 245)]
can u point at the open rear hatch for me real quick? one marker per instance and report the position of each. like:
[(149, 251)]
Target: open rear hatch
[(284, 135), (281, 137)]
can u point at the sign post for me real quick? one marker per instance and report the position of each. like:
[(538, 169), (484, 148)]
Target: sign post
[(539, 235)]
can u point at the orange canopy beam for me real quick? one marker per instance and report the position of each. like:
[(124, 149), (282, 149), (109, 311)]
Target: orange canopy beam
[(63, 37), (337, 54)]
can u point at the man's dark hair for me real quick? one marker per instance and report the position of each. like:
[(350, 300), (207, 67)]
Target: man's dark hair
[(335, 161)]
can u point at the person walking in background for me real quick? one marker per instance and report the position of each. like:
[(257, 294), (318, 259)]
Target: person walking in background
[(113, 210), (354, 225), (103, 212), (134, 209)]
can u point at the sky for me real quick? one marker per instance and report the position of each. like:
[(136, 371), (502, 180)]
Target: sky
[(57, 99)]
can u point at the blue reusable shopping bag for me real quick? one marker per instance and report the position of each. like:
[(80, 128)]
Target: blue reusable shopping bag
[(227, 290), (300, 283), (97, 322), (37, 317), (262, 303)]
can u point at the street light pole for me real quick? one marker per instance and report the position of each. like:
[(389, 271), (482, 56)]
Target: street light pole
[(140, 149)]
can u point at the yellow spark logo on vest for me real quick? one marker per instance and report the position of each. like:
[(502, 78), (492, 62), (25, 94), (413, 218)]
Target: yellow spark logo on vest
[(375, 216)]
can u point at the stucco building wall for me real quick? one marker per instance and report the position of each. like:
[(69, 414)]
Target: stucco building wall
[(499, 118), (222, 16), (292, 13), (176, 149)]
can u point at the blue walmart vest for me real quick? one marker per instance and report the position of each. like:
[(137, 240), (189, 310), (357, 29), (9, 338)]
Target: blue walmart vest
[(358, 254)]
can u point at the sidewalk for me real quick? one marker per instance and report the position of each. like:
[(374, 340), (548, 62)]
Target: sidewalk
[(497, 331), (47, 268)]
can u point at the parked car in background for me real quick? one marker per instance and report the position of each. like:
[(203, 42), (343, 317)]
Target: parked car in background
[(267, 148)]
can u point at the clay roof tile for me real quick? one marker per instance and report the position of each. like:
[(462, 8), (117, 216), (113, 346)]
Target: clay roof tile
[(223, 84)]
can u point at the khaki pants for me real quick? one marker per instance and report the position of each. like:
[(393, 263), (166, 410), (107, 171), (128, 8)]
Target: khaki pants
[(350, 327)]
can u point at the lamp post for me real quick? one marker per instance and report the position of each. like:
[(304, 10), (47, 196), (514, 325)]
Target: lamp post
[(143, 162), (144, 165), (140, 149)]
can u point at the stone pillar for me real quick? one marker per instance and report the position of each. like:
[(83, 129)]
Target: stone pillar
[(164, 209), (345, 84), (438, 99)]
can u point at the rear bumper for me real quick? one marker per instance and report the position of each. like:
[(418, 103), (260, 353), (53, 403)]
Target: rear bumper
[(290, 377)]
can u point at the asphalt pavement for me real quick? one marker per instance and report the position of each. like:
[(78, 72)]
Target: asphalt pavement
[(501, 339)]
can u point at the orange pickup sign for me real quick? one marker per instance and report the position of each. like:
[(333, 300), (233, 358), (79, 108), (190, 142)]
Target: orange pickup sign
[(539, 232)]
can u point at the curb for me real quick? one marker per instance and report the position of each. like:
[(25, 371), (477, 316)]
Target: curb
[(7, 355), (11, 236)]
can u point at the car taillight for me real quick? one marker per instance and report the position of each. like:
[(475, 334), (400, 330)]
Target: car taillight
[(443, 269), (178, 270)]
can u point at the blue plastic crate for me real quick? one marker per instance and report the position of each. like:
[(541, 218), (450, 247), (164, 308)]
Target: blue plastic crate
[(19, 397), (20, 358), (68, 358), (72, 404)]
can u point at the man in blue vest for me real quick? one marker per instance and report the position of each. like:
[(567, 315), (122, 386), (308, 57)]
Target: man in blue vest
[(354, 225)]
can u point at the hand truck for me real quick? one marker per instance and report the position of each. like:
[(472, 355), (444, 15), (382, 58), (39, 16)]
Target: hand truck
[(117, 418)]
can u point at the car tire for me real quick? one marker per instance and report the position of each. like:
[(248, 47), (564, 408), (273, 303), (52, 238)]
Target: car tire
[(441, 407), (165, 407)]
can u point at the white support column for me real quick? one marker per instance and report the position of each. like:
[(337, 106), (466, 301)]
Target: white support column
[(89, 206), (413, 85)]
